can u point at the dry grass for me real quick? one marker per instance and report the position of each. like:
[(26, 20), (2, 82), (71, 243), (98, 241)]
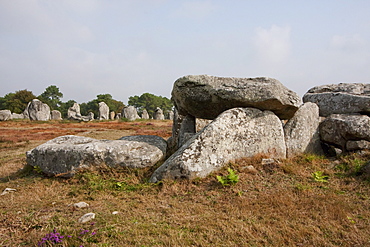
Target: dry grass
[(280, 205)]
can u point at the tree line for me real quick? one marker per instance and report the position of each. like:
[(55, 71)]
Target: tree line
[(17, 102)]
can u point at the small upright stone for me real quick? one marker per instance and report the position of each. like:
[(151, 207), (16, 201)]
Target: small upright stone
[(74, 112), (130, 113), (145, 114), (112, 115), (103, 111), (56, 115), (158, 114)]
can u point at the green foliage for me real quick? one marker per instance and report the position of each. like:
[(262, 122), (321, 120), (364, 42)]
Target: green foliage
[(51, 96), (16, 102), (150, 102), (229, 179), (320, 177)]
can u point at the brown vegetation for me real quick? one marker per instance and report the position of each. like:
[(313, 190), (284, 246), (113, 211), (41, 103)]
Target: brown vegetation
[(283, 204)]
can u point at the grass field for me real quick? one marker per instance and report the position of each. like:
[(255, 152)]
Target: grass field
[(303, 201)]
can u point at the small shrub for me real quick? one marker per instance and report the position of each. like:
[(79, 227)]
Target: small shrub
[(320, 177), (229, 179)]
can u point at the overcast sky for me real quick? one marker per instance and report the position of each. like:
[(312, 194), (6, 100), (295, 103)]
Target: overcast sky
[(129, 47)]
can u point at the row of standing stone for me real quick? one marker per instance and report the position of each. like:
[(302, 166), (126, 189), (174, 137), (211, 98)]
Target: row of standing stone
[(37, 110)]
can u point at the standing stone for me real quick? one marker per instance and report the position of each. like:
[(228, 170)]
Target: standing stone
[(302, 131), (5, 115), (204, 96), (130, 113), (87, 118), (170, 115), (338, 129), (342, 98), (74, 112), (119, 115), (103, 111), (112, 115), (158, 114), (145, 114), (236, 133), (56, 115), (36, 110)]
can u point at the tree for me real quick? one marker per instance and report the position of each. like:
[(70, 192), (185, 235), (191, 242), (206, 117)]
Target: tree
[(150, 102), (51, 96), (18, 101)]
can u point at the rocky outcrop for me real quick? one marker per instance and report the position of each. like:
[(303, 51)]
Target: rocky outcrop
[(235, 133), (342, 98), (204, 96), (158, 114), (5, 115), (302, 131), (145, 114), (130, 113), (103, 111), (56, 115), (36, 110), (338, 129), (65, 155)]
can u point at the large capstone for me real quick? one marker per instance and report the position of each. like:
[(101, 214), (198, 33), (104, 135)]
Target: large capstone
[(205, 96), (342, 98), (65, 155), (236, 133)]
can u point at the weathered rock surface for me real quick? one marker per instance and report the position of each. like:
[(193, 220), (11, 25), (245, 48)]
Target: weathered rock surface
[(56, 115), (236, 133), (171, 115), (158, 114), (112, 115), (103, 111), (302, 131), (357, 145), (36, 110), (340, 98), (17, 116), (74, 112), (119, 115), (5, 115), (130, 113), (65, 155), (145, 114), (338, 129), (206, 96)]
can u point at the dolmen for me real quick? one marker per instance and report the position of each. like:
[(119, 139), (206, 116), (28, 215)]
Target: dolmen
[(220, 119)]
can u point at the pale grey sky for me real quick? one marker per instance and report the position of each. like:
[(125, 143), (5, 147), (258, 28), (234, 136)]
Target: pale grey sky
[(129, 47)]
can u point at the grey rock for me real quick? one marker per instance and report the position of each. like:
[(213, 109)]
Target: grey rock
[(145, 114), (17, 116), (119, 115), (65, 155), (81, 205), (130, 113), (103, 111), (342, 98), (56, 115), (158, 114), (302, 131), (86, 218), (200, 123), (236, 133), (340, 128), (357, 145), (5, 115), (7, 191), (171, 115), (87, 118), (112, 115), (187, 130), (206, 96), (36, 110), (74, 112)]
